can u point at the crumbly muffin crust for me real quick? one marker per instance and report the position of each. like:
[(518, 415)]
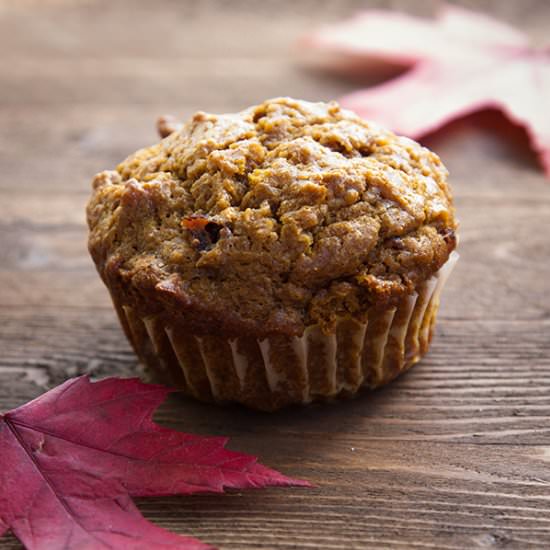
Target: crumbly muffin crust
[(282, 216)]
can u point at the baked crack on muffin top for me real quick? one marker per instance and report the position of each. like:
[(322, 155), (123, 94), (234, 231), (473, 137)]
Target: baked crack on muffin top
[(285, 215)]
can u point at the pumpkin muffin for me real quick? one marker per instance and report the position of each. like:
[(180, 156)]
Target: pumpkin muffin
[(288, 253)]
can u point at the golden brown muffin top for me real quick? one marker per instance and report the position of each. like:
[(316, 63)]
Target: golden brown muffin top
[(286, 214)]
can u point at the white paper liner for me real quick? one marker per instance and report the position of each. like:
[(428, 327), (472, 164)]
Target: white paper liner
[(386, 344)]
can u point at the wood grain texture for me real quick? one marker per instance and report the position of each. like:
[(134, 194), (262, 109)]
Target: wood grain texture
[(455, 454)]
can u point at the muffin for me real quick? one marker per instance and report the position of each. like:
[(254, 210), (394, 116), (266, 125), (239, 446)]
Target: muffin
[(288, 253)]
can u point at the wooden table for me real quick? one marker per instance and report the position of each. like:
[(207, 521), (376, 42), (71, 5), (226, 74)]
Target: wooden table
[(455, 454)]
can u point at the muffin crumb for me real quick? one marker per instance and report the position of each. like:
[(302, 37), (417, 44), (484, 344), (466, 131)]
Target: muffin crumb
[(287, 214)]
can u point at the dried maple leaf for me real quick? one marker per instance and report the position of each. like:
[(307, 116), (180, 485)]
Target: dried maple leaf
[(459, 63), (71, 460)]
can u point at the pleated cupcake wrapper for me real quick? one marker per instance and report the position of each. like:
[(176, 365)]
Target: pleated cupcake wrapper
[(280, 370)]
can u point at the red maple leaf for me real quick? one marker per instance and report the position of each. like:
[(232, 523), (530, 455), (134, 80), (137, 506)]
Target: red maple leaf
[(459, 63), (71, 460)]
